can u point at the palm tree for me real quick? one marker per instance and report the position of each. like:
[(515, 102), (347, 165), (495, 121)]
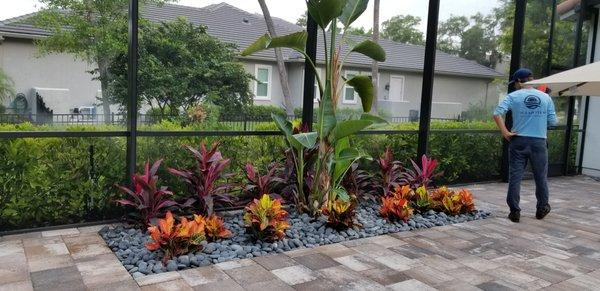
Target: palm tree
[(375, 65), (283, 77)]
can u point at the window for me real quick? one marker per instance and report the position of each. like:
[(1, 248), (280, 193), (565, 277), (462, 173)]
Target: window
[(262, 87), (350, 96)]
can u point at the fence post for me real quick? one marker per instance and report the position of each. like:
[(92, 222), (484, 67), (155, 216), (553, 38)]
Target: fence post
[(428, 76), (308, 99), (515, 62), (132, 90)]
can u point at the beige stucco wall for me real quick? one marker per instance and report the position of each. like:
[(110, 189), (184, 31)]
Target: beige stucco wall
[(55, 73), (62, 73)]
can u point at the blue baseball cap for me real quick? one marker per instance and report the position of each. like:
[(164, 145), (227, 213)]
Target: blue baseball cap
[(520, 74)]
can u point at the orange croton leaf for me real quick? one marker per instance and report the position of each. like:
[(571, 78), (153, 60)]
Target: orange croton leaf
[(265, 217), (215, 228)]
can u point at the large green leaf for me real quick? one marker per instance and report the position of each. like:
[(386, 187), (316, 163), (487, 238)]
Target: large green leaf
[(296, 40), (283, 124), (370, 49), (340, 193), (345, 156), (260, 44), (352, 10), (364, 87), (306, 139), (373, 118), (323, 11), (349, 127), (348, 154), (326, 119)]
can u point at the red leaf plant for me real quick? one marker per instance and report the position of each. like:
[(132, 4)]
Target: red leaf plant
[(391, 173), (203, 180), (257, 184), (148, 199), (423, 175)]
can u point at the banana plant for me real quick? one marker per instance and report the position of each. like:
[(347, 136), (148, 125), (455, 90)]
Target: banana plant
[(331, 137)]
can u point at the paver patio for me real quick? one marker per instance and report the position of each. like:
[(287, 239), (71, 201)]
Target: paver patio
[(561, 252)]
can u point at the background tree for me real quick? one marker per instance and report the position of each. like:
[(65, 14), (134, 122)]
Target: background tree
[(283, 76), (91, 30), (472, 38), (359, 31), (536, 34), (301, 21), (450, 34), (404, 29), (180, 65), (375, 64)]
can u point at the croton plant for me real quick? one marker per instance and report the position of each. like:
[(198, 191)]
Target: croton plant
[(266, 219), (176, 238)]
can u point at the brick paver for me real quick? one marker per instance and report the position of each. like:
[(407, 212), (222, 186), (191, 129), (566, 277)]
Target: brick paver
[(561, 252)]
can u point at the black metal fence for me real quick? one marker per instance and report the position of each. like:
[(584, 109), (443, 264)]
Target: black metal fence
[(239, 122)]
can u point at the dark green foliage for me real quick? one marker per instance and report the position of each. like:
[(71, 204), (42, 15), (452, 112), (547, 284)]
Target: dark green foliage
[(50, 181), (205, 69), (403, 29), (261, 112)]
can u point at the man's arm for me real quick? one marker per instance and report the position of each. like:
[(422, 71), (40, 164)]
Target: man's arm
[(507, 134), (502, 108)]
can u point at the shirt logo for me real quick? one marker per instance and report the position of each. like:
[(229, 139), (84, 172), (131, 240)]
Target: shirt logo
[(532, 102)]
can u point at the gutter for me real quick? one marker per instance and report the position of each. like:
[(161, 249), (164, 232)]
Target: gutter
[(21, 35)]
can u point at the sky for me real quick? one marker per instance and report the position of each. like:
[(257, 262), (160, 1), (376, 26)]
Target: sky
[(291, 10)]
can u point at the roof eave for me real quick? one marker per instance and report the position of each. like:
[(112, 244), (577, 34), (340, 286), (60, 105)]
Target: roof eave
[(21, 35)]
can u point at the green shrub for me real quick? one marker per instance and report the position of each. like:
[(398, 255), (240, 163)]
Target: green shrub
[(50, 181), (261, 112)]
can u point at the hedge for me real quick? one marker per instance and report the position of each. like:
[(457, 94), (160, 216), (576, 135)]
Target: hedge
[(51, 181)]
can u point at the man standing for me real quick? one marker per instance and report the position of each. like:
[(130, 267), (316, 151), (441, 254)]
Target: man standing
[(532, 111)]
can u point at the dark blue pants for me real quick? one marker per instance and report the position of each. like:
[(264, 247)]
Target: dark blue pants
[(521, 150)]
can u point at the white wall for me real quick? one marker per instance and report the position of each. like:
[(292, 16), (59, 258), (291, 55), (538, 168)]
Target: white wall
[(51, 73), (61, 73), (591, 154)]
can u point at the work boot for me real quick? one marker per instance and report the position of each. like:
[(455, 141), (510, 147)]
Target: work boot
[(514, 216), (542, 212)]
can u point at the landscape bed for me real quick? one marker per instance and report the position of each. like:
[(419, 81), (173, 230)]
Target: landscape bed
[(128, 241)]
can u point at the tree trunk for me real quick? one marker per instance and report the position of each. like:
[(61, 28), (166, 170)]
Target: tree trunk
[(283, 77), (375, 65), (103, 70)]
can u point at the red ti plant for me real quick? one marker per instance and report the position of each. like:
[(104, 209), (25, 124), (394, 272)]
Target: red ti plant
[(203, 180), (258, 185), (422, 176), (147, 198), (391, 173)]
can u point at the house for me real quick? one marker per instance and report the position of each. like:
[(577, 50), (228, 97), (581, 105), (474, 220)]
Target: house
[(64, 83), (590, 115)]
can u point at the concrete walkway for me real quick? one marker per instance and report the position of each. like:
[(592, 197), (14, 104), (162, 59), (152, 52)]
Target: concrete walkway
[(561, 252)]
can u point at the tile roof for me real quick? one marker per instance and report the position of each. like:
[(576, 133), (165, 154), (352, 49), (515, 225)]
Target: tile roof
[(234, 25)]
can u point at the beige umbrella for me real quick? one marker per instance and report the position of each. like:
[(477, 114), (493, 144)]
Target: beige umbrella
[(580, 81)]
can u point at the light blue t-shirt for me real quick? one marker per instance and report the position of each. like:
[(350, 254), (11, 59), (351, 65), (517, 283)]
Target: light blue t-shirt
[(532, 112)]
